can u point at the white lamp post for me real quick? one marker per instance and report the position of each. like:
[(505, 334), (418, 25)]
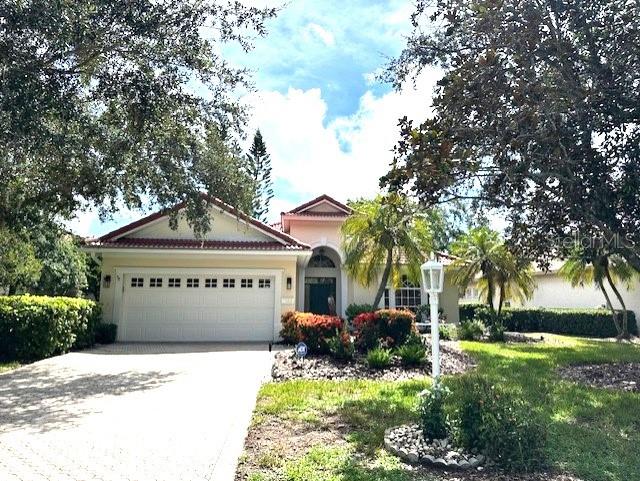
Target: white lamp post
[(432, 283)]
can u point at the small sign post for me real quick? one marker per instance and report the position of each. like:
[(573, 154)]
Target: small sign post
[(301, 350)]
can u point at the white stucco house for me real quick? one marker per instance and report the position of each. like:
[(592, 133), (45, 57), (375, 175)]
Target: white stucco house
[(555, 292), (160, 284)]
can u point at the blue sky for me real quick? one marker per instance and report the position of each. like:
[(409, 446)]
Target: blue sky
[(328, 124)]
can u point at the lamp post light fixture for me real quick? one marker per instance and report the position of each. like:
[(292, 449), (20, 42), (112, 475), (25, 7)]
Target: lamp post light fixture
[(432, 283)]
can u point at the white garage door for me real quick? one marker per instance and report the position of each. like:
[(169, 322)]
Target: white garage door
[(188, 307)]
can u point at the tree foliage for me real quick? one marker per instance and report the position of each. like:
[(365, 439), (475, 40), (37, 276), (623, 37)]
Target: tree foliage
[(118, 100), (384, 237), (537, 112), (597, 267), (484, 259), (258, 169)]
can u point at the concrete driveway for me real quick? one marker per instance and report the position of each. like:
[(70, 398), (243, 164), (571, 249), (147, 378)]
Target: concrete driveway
[(130, 412)]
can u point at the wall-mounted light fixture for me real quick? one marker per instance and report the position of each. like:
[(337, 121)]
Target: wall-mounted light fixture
[(289, 283), (106, 281)]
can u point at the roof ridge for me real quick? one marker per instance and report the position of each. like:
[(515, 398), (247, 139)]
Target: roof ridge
[(320, 198), (282, 236)]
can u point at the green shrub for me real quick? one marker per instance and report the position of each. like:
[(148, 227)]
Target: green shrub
[(412, 354), (36, 327), (448, 332), (471, 330), (497, 422), (575, 322), (379, 358), (106, 333), (495, 332), (433, 417), (341, 346), (354, 309)]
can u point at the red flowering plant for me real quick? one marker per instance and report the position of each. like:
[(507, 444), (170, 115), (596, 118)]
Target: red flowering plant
[(316, 330), (398, 324), (367, 330)]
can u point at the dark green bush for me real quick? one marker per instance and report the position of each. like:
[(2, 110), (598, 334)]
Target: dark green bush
[(36, 327), (106, 333), (497, 422), (576, 322), (448, 332), (379, 358), (354, 309), (433, 417), (471, 330)]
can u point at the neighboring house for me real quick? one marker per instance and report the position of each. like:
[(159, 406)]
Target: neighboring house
[(554, 291), (160, 284)]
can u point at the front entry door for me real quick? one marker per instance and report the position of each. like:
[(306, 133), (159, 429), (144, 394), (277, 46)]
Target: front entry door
[(319, 298), (318, 291)]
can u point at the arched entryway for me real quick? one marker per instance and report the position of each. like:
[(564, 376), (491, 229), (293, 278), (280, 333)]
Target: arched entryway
[(323, 281)]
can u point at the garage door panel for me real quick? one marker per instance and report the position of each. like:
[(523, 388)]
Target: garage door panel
[(208, 312)]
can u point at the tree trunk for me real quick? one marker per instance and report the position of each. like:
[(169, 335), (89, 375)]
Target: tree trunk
[(610, 306), (500, 299), (385, 278), (624, 332), (490, 294)]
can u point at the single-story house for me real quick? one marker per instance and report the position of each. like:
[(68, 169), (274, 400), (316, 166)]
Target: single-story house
[(553, 291), (164, 284)]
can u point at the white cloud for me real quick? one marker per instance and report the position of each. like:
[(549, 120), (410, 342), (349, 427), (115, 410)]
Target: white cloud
[(344, 158), (322, 33)]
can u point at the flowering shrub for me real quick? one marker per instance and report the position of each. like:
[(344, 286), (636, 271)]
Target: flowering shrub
[(290, 332), (387, 327), (397, 324), (313, 329), (433, 418)]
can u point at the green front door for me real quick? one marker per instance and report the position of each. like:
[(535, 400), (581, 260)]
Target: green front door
[(319, 297)]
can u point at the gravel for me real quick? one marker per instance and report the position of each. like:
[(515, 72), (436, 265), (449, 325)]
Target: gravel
[(408, 443), (288, 366), (621, 376)]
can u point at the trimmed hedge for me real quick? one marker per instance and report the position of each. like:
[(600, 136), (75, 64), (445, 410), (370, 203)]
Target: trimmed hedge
[(313, 329), (389, 327), (36, 327), (106, 333), (577, 322)]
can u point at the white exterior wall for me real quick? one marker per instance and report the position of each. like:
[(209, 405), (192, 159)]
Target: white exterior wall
[(553, 291)]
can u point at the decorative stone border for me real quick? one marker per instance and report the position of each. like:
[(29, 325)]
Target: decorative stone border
[(408, 443)]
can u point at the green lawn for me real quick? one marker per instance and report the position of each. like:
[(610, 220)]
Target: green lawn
[(594, 433), (8, 366)]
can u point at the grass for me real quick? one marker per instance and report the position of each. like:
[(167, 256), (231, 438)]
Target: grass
[(8, 366), (594, 434)]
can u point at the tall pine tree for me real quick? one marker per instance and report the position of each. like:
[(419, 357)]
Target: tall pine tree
[(258, 168)]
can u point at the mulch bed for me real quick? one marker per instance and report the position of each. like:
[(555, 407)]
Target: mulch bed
[(287, 366), (620, 376)]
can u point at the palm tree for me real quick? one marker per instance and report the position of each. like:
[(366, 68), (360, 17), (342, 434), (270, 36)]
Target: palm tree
[(595, 267), (381, 237), (482, 258)]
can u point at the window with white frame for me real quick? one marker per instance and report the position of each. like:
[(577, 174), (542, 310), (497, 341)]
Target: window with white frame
[(210, 283), (228, 283), (137, 282), (174, 282), (155, 282), (264, 283), (193, 282), (244, 283), (408, 295)]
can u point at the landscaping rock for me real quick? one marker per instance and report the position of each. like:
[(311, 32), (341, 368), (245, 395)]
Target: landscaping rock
[(408, 443), (288, 366)]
